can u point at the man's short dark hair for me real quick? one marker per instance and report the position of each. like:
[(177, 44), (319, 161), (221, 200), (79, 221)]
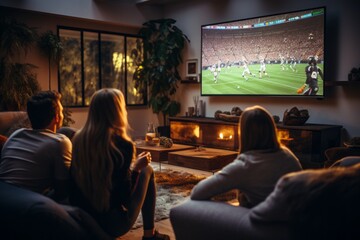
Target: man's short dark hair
[(42, 108)]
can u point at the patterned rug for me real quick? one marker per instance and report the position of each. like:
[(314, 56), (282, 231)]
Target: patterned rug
[(173, 187)]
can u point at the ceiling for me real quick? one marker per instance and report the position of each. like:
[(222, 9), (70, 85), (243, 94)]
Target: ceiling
[(155, 2), (144, 2)]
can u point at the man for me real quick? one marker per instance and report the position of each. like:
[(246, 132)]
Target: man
[(292, 64), (38, 159), (246, 71), (262, 69), (215, 72), (282, 62)]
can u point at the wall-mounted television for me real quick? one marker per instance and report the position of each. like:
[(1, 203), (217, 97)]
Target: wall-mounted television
[(274, 55)]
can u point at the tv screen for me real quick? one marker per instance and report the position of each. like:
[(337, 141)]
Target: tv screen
[(276, 55)]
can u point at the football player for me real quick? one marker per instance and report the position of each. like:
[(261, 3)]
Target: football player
[(215, 73), (282, 62), (246, 71), (262, 69), (292, 64), (312, 73)]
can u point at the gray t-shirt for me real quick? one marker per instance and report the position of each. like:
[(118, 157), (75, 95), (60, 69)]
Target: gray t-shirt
[(33, 159), (255, 173)]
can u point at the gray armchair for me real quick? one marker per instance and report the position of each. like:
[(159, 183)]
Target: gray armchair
[(311, 204)]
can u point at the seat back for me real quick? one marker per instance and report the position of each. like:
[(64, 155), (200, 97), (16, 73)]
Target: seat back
[(29, 215)]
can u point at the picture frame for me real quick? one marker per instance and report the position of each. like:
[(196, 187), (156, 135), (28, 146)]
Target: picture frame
[(192, 69)]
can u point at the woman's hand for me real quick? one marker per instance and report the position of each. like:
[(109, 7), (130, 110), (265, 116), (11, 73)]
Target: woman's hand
[(142, 160)]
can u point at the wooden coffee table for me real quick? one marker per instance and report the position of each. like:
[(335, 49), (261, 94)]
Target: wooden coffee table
[(207, 159), (160, 153)]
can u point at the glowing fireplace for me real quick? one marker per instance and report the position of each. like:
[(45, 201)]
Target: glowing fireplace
[(205, 132)]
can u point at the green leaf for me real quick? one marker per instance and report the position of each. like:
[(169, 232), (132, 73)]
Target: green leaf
[(163, 45)]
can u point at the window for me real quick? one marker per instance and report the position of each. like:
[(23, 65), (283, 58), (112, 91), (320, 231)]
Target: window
[(92, 60)]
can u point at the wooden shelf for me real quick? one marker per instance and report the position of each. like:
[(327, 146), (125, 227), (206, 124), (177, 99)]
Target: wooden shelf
[(308, 142)]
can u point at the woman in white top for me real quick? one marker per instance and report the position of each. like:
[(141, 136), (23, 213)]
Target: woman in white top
[(260, 164)]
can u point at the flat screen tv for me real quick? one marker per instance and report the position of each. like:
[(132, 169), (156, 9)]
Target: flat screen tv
[(275, 55)]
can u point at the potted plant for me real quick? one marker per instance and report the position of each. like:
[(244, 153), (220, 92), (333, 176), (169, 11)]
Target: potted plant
[(17, 80), (163, 45)]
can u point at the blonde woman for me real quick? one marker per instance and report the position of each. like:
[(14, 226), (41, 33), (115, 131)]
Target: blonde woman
[(110, 181), (260, 164)]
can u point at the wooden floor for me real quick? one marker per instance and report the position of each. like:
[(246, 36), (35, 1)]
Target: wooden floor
[(163, 226)]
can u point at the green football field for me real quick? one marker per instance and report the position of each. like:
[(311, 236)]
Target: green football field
[(277, 82)]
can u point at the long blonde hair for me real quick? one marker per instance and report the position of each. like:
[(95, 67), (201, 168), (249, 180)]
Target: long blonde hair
[(257, 130), (93, 146)]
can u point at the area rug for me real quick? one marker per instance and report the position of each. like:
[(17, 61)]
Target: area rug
[(173, 187)]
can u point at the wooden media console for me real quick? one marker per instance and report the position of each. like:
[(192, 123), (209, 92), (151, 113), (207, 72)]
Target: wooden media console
[(308, 142)]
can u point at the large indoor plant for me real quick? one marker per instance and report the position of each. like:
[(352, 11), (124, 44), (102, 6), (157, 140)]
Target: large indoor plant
[(17, 80), (163, 45)]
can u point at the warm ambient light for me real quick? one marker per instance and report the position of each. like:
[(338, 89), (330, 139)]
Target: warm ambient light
[(117, 61), (284, 137), (222, 137), (196, 131)]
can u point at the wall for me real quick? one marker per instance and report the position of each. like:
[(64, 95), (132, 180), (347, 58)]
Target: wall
[(342, 53), (123, 12), (342, 38), (92, 15)]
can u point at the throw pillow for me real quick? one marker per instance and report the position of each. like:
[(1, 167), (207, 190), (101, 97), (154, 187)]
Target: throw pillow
[(315, 204)]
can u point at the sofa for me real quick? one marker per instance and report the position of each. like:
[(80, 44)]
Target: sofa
[(28, 215), (311, 204), (346, 161), (12, 120), (335, 153)]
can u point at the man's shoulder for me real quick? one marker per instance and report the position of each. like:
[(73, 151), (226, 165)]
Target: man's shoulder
[(18, 132), (57, 137), (40, 135)]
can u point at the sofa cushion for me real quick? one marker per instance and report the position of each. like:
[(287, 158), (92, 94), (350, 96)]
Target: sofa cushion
[(336, 153), (347, 161), (316, 204), (67, 131), (11, 121), (212, 220), (29, 215)]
